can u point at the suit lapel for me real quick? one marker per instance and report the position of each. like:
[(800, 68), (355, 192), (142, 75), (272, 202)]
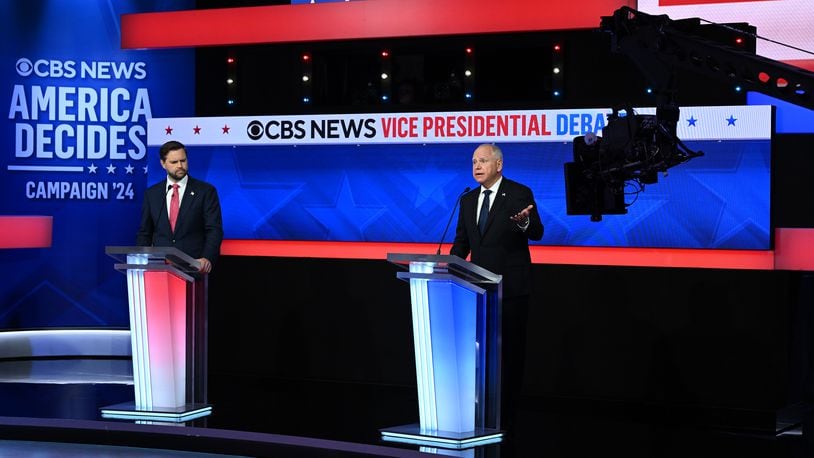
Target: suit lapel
[(160, 198), (473, 215), (186, 203)]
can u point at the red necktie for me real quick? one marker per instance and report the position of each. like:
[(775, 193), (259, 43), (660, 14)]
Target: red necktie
[(174, 204)]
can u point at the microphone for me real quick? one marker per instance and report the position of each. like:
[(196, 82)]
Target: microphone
[(163, 209), (457, 201)]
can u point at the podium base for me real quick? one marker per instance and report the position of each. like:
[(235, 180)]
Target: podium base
[(413, 434), (180, 414)]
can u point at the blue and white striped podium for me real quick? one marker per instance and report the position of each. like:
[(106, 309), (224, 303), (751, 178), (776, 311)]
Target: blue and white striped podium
[(456, 314)]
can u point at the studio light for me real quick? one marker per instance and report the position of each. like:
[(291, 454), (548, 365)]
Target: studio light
[(307, 72)]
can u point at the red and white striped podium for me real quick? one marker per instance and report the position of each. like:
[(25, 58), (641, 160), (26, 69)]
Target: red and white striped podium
[(167, 298)]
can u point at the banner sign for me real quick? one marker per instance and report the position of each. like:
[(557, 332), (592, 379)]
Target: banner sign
[(444, 127)]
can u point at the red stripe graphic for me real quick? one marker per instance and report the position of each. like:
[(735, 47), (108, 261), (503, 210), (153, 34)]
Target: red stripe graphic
[(794, 248), (352, 20), (25, 231), (600, 256), (704, 2), (794, 251)]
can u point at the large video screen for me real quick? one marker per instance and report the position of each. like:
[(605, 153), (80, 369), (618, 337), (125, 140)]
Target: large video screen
[(395, 177)]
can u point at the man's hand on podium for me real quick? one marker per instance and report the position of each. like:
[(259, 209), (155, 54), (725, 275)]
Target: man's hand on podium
[(205, 266)]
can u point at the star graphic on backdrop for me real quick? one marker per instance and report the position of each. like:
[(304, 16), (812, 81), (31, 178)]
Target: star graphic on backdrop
[(691, 121), (111, 168), (430, 185), (197, 130), (346, 219), (168, 130), (225, 129), (614, 230), (737, 222), (145, 169), (60, 299), (730, 121), (641, 214), (92, 168), (553, 214), (129, 169), (252, 205)]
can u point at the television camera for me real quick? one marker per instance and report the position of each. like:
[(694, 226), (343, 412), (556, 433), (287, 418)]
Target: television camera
[(632, 151)]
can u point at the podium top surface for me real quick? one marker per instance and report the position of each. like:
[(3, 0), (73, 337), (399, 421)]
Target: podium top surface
[(156, 255), (447, 263)]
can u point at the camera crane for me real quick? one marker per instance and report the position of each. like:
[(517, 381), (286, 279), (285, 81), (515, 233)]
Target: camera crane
[(635, 148)]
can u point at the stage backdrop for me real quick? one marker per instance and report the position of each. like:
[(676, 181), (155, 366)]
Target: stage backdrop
[(74, 154), (395, 177)]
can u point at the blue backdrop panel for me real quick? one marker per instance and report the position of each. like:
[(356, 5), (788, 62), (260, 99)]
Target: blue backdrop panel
[(74, 148), (406, 193)]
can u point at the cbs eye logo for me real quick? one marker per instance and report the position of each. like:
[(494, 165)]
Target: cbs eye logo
[(45, 68), (255, 130), (284, 129), (24, 67)]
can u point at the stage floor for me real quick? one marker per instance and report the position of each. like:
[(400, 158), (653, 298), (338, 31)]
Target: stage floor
[(48, 405)]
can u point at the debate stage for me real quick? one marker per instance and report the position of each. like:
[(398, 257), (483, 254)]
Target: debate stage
[(322, 371), (54, 417)]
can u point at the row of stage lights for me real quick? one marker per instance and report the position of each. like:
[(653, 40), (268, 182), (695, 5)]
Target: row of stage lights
[(385, 77), (231, 80)]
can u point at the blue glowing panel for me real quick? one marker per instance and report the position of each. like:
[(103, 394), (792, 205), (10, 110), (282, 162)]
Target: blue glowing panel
[(789, 118), (453, 329), (395, 177)]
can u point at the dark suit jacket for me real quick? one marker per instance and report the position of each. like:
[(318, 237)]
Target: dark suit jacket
[(504, 247), (199, 228)]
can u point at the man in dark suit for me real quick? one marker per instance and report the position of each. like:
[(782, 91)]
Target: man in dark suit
[(495, 223), (198, 225)]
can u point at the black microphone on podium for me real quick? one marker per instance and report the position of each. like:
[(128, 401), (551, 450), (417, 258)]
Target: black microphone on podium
[(457, 201)]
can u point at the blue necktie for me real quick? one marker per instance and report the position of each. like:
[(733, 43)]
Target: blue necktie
[(484, 211)]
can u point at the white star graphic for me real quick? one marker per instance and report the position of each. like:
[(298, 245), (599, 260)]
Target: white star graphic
[(145, 169), (129, 169), (92, 168), (111, 169)]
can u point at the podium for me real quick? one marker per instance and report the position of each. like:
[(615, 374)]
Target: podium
[(456, 314), (167, 299)]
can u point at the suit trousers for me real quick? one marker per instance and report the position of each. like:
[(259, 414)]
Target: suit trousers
[(514, 325)]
